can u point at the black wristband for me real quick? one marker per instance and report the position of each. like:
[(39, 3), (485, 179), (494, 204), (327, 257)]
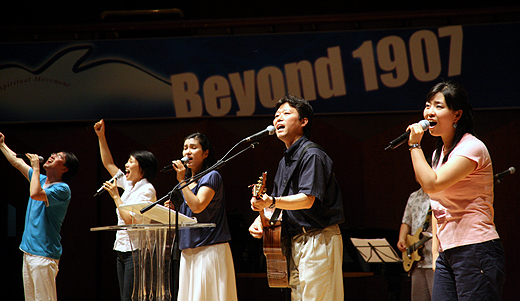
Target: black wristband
[(274, 202)]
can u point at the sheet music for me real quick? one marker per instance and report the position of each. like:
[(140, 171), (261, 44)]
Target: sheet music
[(158, 213), (375, 250)]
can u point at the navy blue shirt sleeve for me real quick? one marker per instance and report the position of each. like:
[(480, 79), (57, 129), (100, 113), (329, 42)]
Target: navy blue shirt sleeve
[(215, 213)]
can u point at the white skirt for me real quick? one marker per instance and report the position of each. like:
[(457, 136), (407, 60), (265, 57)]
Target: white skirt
[(207, 273)]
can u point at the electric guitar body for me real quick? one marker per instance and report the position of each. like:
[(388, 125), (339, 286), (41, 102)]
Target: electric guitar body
[(413, 244)]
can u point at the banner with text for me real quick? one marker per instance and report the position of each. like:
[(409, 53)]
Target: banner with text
[(338, 72)]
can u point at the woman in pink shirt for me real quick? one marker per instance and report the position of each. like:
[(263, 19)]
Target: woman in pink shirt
[(470, 261)]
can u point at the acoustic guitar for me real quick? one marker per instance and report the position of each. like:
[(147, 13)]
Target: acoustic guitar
[(413, 244), (277, 272)]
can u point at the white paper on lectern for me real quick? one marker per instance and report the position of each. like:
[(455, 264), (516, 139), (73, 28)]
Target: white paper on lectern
[(368, 246), (158, 213)]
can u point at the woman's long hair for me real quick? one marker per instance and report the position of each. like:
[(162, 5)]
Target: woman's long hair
[(206, 145), (456, 99)]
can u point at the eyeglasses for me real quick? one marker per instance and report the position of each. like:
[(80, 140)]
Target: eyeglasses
[(60, 156)]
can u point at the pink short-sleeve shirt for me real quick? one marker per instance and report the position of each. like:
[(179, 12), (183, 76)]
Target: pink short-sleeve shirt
[(464, 211)]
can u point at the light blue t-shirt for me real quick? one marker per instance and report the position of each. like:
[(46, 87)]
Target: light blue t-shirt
[(41, 235)]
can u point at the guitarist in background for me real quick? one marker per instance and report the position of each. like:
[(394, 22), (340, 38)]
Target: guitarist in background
[(309, 195), (414, 216)]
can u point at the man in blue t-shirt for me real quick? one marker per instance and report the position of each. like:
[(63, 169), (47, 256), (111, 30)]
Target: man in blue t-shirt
[(48, 201)]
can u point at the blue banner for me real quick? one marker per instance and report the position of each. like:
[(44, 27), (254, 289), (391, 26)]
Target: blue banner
[(339, 72)]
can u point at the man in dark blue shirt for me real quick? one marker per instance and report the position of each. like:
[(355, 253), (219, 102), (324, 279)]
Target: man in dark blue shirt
[(306, 189)]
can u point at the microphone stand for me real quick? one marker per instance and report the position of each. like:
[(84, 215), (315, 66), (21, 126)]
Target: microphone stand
[(498, 180), (500, 176), (176, 198)]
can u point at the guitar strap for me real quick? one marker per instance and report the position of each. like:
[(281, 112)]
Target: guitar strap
[(428, 219), (277, 211)]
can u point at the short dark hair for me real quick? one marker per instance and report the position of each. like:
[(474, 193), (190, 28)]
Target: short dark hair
[(72, 163), (147, 162), (303, 107)]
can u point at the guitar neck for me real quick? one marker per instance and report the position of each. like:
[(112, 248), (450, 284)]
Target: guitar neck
[(419, 244)]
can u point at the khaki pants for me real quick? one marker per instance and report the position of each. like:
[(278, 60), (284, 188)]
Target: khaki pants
[(39, 277), (422, 284), (316, 265)]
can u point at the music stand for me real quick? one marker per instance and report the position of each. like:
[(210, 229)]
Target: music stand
[(367, 247)]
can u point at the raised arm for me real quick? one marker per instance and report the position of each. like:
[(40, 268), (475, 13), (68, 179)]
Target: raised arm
[(18, 163), (36, 191), (106, 156)]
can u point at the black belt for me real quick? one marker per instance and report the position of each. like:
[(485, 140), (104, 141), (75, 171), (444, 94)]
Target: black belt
[(301, 230)]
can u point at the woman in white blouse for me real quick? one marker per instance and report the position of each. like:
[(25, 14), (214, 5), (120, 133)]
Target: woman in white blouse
[(140, 169)]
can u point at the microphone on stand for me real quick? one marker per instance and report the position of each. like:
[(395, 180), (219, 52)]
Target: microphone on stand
[(168, 168), (269, 130), (498, 177), (117, 176), (404, 137), (23, 156)]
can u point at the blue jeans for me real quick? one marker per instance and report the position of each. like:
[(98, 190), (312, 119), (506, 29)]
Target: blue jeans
[(125, 273), (472, 272)]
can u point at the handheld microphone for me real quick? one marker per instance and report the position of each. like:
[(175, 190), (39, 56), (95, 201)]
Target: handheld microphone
[(269, 130), (500, 175), (168, 168), (117, 176), (404, 137), (23, 156)]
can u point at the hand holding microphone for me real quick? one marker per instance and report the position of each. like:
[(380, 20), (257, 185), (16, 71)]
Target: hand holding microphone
[(24, 156), (404, 137), (117, 176), (27, 159), (169, 167)]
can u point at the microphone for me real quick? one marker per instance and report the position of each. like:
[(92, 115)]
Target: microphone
[(168, 168), (117, 176), (23, 156), (500, 175), (404, 137), (269, 130)]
